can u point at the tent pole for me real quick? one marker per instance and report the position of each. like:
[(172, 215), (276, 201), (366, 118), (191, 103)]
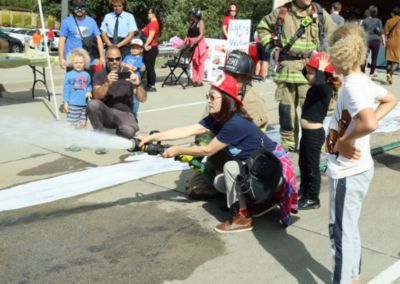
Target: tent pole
[(48, 57)]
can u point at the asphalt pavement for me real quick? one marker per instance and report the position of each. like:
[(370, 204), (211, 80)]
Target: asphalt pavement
[(146, 230)]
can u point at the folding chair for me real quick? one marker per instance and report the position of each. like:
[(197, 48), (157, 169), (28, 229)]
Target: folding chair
[(186, 54)]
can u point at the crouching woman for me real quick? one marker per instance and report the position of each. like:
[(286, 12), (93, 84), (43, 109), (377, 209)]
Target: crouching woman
[(236, 133)]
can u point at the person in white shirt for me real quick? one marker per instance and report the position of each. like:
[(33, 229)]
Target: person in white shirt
[(349, 164)]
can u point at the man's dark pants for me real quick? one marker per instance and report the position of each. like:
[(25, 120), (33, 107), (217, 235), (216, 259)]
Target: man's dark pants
[(125, 50), (102, 116)]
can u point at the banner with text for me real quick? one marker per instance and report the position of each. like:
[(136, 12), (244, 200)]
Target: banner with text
[(239, 35)]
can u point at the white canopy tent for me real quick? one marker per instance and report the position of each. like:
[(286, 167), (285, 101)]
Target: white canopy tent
[(48, 58)]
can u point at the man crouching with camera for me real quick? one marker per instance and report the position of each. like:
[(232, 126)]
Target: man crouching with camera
[(112, 103)]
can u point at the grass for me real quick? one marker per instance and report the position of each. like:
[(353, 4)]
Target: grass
[(160, 62)]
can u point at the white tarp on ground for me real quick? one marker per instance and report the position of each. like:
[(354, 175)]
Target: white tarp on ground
[(93, 179)]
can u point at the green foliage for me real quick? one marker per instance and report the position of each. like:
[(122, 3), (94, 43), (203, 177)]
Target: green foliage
[(16, 19), (19, 25), (23, 4), (50, 22), (29, 26), (6, 19), (3, 2), (38, 22), (27, 19), (50, 8), (175, 12), (213, 13)]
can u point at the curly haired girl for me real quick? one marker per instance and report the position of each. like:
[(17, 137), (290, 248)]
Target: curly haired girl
[(349, 164), (77, 90)]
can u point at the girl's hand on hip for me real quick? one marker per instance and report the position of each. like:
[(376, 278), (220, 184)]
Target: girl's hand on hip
[(347, 150)]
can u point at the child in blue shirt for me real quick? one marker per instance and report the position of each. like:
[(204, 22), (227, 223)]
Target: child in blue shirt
[(134, 62), (77, 90)]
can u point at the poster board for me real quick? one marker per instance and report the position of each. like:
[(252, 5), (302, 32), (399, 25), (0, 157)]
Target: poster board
[(216, 57), (239, 35)]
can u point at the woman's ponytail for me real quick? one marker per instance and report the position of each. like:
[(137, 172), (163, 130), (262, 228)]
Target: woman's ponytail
[(159, 20)]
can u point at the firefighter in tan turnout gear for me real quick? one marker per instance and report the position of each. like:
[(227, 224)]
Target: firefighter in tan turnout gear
[(293, 32), (241, 67)]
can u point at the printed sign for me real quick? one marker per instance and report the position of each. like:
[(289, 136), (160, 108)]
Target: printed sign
[(216, 57), (239, 35)]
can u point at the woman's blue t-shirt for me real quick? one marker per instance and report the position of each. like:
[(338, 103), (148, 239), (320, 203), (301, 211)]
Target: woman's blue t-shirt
[(240, 134)]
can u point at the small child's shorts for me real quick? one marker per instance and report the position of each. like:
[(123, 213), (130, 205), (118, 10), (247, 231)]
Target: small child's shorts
[(76, 114)]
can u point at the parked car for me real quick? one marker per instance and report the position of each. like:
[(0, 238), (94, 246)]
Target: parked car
[(19, 33), (14, 44), (22, 33), (7, 30)]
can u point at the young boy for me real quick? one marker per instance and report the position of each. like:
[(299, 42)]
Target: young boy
[(134, 62), (349, 163)]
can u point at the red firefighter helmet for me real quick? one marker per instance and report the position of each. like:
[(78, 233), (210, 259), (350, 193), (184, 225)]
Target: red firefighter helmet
[(229, 85), (314, 61), (232, 8)]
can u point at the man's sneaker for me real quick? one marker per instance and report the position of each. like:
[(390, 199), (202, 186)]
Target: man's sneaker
[(307, 204), (265, 81), (151, 89), (100, 151), (237, 224), (73, 148), (262, 209)]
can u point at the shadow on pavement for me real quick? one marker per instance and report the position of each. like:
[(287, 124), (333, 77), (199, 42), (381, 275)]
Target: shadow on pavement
[(388, 160), (25, 97), (289, 251), (140, 197)]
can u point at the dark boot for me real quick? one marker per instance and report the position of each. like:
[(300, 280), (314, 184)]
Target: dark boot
[(309, 202), (301, 194)]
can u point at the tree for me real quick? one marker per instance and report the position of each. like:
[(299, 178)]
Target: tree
[(213, 13), (175, 12), (6, 19), (27, 19), (24, 3), (50, 8), (16, 19), (50, 21)]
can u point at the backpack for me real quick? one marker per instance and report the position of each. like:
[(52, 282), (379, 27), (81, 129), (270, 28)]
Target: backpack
[(259, 175)]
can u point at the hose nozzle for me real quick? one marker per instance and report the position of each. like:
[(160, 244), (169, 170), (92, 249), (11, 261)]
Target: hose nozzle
[(151, 148)]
